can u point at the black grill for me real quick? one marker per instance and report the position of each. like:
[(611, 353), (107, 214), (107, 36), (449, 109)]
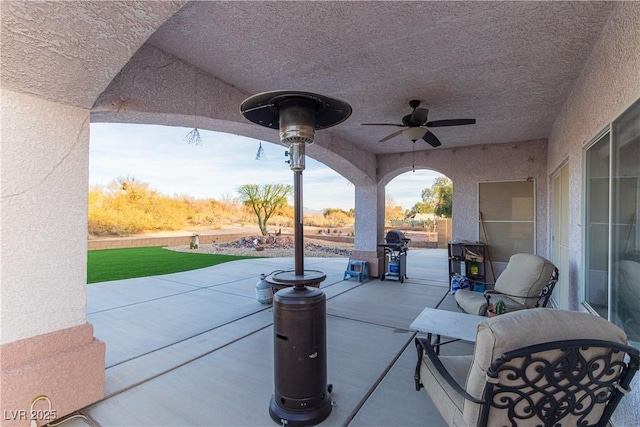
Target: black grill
[(395, 239), (395, 255)]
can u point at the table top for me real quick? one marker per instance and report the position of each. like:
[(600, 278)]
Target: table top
[(447, 323)]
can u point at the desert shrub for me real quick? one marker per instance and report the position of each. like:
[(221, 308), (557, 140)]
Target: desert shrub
[(280, 221), (392, 211), (286, 211), (127, 206), (314, 220), (335, 218), (214, 213), (338, 217)]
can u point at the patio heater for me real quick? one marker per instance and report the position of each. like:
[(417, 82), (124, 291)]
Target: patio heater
[(301, 395)]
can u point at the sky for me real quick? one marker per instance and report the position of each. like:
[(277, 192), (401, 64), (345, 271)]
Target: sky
[(161, 157)]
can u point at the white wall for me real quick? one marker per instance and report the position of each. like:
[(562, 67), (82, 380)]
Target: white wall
[(610, 82), (43, 221)]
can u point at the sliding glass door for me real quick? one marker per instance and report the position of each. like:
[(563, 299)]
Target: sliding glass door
[(625, 218), (597, 220), (612, 216)]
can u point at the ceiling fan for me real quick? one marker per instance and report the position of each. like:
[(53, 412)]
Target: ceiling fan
[(416, 125)]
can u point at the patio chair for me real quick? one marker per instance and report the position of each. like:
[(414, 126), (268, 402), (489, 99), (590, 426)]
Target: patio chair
[(527, 282), (542, 367)]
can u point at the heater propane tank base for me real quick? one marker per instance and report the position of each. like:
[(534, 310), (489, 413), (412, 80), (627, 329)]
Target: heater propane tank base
[(299, 419), (301, 395)]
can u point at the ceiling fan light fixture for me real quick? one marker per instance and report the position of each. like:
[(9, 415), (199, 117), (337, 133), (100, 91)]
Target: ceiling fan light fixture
[(414, 133), (416, 125)]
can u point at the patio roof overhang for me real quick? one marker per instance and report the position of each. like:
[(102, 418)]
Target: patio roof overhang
[(511, 66)]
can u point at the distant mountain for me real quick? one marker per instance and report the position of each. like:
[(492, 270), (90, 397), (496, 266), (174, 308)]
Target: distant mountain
[(312, 211)]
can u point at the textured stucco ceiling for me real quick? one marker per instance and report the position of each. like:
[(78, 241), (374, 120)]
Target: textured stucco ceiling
[(510, 65), (69, 51)]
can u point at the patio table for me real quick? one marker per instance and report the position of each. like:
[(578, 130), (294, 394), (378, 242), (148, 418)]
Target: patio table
[(448, 323), (453, 324)]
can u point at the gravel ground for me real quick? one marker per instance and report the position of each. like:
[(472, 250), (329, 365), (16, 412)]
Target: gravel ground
[(273, 247)]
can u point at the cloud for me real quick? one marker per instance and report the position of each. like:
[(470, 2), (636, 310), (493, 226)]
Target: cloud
[(159, 156)]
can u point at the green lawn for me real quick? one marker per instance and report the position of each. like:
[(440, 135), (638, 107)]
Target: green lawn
[(115, 264)]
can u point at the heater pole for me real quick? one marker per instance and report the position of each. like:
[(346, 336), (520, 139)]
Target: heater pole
[(299, 227)]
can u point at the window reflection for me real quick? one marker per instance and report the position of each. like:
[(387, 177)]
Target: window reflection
[(625, 252), (613, 216), (597, 249)]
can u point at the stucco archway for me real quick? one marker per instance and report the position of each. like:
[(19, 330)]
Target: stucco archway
[(57, 58)]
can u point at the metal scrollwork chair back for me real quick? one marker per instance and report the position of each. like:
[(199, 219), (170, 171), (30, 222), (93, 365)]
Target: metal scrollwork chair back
[(578, 382), (578, 378)]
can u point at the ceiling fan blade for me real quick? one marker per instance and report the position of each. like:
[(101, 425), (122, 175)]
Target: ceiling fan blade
[(452, 122), (419, 116), (393, 135), (380, 124), (431, 139)]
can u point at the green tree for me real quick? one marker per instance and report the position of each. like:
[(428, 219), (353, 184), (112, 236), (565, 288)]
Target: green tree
[(264, 200), (439, 197), (420, 207)]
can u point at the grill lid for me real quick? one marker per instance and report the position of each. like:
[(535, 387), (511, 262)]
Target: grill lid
[(395, 236)]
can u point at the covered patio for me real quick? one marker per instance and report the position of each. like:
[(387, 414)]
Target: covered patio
[(196, 348), (554, 89)]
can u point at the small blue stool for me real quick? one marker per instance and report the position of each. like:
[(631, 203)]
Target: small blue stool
[(357, 269)]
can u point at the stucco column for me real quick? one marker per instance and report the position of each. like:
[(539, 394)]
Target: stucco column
[(47, 347), (369, 226)]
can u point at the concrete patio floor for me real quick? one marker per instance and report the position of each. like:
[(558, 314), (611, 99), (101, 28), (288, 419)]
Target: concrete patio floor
[(195, 348)]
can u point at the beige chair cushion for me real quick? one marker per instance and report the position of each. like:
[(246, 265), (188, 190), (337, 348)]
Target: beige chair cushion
[(447, 401), (475, 302), (523, 328), (526, 275), (471, 302)]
